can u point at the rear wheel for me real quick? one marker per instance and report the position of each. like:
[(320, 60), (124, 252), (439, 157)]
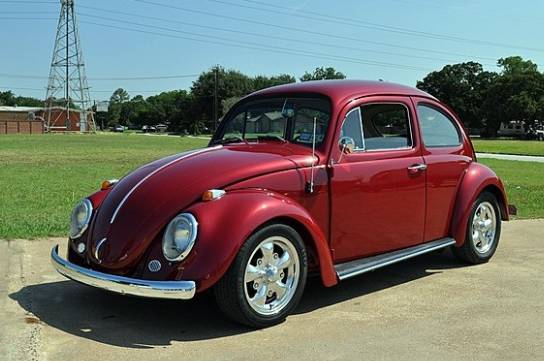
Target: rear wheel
[(267, 278), (483, 231)]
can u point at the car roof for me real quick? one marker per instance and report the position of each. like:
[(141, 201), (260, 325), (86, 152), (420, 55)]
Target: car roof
[(341, 89)]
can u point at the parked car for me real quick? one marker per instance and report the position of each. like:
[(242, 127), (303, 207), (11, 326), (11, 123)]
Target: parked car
[(149, 129), (117, 128), (298, 179), (161, 128)]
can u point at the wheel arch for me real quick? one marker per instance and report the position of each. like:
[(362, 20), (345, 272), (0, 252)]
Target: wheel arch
[(250, 210), (477, 179)]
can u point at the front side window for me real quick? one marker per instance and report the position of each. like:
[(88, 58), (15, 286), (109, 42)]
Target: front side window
[(438, 130), (283, 119), (386, 126), (378, 127)]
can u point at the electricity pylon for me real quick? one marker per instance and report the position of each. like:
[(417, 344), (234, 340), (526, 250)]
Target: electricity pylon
[(67, 88)]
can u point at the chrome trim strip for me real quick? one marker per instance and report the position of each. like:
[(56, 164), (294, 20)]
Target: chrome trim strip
[(180, 290), (97, 249), (357, 267), (185, 155)]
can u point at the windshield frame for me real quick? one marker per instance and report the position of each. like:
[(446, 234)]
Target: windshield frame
[(289, 125)]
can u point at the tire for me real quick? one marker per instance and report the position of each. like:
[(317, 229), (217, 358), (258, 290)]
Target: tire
[(239, 294), (481, 242)]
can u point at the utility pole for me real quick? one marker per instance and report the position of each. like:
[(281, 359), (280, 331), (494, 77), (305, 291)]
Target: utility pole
[(67, 84), (215, 97)]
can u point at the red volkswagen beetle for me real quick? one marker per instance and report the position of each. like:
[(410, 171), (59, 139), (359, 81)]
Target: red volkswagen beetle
[(334, 177)]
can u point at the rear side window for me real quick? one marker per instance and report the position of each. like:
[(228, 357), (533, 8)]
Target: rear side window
[(438, 129)]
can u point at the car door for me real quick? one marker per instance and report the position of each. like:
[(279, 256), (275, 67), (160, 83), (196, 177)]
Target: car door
[(377, 190), (447, 155)]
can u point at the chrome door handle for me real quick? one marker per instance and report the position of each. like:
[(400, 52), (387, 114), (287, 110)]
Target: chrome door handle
[(415, 168)]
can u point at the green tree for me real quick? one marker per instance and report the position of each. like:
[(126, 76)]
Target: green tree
[(7, 98), (230, 83), (115, 110), (263, 81), (322, 73), (517, 94), (463, 87)]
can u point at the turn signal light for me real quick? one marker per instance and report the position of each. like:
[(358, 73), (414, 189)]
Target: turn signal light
[(108, 184), (212, 194)]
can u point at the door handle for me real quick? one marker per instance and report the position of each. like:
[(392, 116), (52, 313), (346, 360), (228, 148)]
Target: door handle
[(416, 168)]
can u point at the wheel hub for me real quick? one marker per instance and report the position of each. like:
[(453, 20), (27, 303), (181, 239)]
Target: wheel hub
[(484, 225), (271, 275)]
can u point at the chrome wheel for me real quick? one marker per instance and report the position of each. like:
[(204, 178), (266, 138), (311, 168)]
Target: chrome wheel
[(484, 226), (271, 275)]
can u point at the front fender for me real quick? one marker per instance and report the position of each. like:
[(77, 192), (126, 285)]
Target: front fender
[(225, 223), (477, 178)]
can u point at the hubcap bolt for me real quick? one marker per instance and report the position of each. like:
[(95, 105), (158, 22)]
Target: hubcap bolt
[(282, 274), (259, 261), (270, 293), (256, 285), (276, 256)]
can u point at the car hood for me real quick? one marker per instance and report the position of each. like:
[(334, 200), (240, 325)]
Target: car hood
[(142, 203)]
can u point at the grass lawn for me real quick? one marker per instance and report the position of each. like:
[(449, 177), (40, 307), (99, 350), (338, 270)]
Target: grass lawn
[(42, 176), (519, 147), (524, 183)]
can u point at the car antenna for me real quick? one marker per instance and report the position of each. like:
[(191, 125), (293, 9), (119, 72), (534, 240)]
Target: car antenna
[(310, 185)]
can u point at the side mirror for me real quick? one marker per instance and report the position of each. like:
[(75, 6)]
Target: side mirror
[(347, 145)]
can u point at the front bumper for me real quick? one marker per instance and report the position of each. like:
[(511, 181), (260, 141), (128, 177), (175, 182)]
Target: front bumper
[(180, 290)]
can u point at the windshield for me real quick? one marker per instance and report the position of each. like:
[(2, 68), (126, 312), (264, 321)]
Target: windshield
[(277, 119)]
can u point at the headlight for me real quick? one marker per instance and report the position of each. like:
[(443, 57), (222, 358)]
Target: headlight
[(179, 237), (81, 215)]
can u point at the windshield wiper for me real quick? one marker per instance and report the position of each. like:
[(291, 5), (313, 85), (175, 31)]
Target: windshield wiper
[(271, 137), (228, 140)]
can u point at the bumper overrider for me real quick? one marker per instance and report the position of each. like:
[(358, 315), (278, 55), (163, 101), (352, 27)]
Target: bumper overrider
[(180, 290)]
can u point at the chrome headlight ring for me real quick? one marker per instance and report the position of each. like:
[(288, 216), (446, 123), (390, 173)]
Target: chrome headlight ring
[(80, 218), (179, 237)]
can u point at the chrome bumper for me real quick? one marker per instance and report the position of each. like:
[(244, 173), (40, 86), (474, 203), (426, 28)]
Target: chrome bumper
[(180, 290)]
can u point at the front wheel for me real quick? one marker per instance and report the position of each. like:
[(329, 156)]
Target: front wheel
[(483, 231), (267, 278)]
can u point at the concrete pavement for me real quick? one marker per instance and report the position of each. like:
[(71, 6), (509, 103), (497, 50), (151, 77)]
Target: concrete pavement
[(430, 308)]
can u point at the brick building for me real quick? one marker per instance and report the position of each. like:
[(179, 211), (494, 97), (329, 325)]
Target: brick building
[(30, 120), (24, 120)]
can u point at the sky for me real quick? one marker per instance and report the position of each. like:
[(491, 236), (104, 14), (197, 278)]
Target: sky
[(170, 42)]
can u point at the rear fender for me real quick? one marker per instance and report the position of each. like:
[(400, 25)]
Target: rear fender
[(225, 224), (477, 178)]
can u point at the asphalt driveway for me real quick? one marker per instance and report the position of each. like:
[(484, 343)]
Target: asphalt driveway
[(430, 308)]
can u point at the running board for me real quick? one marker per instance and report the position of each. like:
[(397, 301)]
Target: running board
[(359, 266)]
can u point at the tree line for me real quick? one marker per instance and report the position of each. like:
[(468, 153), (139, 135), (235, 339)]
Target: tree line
[(483, 99), (192, 111)]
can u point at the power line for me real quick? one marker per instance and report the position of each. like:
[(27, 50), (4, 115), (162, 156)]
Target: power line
[(254, 46), (370, 25), (27, 2), (92, 91), (311, 32), (24, 18), (22, 76), (267, 36)]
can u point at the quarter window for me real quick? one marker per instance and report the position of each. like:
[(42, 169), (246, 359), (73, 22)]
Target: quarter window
[(438, 129), (352, 128)]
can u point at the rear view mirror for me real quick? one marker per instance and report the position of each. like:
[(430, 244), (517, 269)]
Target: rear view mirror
[(347, 145)]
